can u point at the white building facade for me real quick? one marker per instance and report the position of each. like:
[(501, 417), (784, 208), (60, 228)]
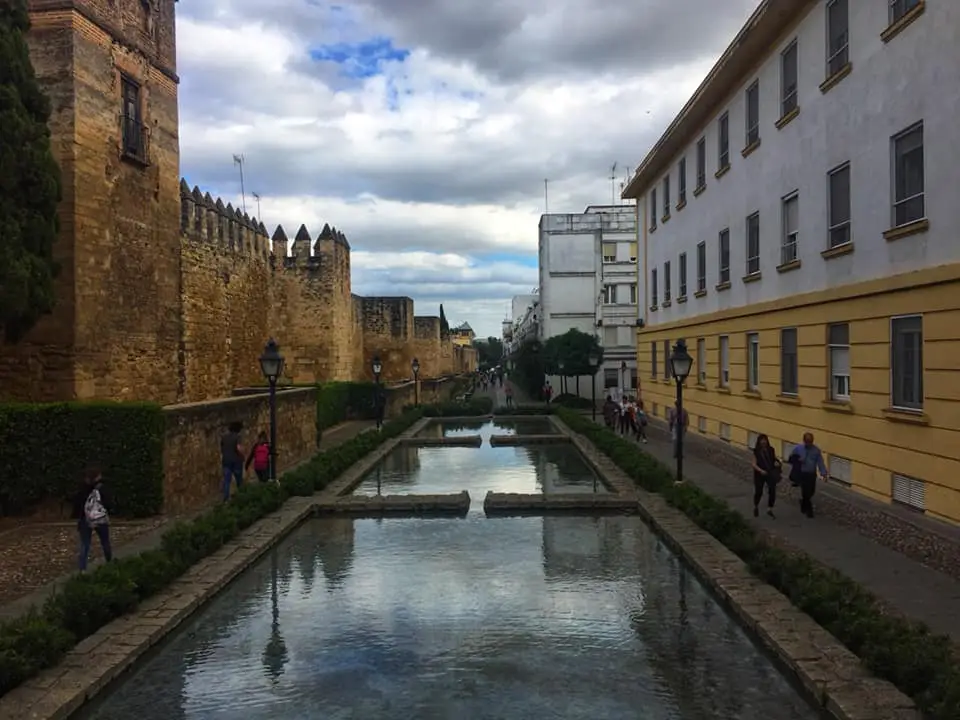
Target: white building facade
[(798, 224), (588, 281)]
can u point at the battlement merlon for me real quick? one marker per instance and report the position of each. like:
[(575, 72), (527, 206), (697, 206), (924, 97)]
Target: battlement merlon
[(205, 220)]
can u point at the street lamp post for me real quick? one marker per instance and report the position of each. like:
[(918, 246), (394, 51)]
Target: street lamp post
[(415, 366), (594, 366), (680, 364), (271, 365), (377, 400), (562, 377), (623, 377)]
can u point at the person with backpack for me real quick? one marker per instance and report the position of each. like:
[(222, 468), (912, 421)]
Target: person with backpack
[(259, 457), (91, 506)]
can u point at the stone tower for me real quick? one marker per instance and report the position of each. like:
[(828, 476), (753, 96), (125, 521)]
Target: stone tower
[(109, 68)]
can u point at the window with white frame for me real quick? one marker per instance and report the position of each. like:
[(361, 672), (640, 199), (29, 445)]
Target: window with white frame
[(632, 288), (611, 378), (908, 491), (789, 78), (908, 185), (724, 361), (633, 252), (702, 424), (840, 470), (838, 206), (609, 252), (791, 228), (838, 36), (666, 196), (789, 362), (906, 362), (899, 8), (653, 359), (701, 267), (609, 294), (682, 275), (753, 114), (682, 181), (666, 281), (653, 288), (724, 251), (701, 163), (838, 359), (753, 362), (702, 361), (653, 209), (723, 142), (725, 431), (667, 369), (610, 336), (752, 437), (753, 244)]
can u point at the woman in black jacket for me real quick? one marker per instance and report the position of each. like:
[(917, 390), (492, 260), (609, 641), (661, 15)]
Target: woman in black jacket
[(766, 473)]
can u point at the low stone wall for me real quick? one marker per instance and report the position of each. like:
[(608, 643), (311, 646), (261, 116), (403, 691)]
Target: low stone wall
[(507, 504), (358, 506), (514, 440), (191, 453), (457, 441)]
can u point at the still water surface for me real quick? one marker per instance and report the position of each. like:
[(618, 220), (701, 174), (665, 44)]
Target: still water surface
[(460, 619), (486, 428), (551, 468)]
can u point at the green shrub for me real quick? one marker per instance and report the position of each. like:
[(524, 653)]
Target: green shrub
[(88, 601), (922, 665), (541, 409), (341, 401), (44, 449), (572, 401)]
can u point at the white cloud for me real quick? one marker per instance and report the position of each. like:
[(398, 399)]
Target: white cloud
[(433, 167)]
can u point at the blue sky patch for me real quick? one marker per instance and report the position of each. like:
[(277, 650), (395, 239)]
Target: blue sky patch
[(362, 59), (513, 258)]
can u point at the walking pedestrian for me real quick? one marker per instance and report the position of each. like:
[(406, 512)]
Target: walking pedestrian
[(231, 458), (508, 392), (642, 422), (766, 474), (91, 506), (259, 457), (679, 421), (806, 461)]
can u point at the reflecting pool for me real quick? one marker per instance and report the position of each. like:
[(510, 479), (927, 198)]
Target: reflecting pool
[(549, 468), (476, 618), (486, 428)]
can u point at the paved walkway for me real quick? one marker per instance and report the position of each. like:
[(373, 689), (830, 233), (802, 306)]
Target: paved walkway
[(904, 584), (331, 438)]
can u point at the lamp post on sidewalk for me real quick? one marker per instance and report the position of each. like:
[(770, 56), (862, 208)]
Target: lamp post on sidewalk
[(377, 368), (415, 366), (562, 377), (680, 364), (271, 365), (594, 360), (623, 377)]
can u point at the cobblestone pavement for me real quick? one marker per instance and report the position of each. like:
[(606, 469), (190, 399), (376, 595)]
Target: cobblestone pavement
[(36, 558), (902, 583)]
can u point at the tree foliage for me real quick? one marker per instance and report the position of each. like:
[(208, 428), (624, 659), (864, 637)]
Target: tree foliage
[(573, 349), (489, 352), (29, 182)]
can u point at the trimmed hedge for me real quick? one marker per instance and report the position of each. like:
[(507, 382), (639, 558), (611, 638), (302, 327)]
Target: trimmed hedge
[(341, 401), (573, 401), (921, 664), (87, 602), (541, 409), (474, 407), (44, 449)]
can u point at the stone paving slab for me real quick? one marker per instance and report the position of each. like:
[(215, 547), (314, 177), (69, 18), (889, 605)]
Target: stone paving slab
[(828, 672), (458, 441), (506, 504), (514, 440), (58, 692), (456, 504)]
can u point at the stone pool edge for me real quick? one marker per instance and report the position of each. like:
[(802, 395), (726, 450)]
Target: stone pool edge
[(87, 669), (829, 674)]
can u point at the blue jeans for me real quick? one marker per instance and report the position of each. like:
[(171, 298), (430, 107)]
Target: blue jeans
[(230, 472), (86, 540)]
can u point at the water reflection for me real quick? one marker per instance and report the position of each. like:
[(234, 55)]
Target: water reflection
[(486, 428), (476, 618), (551, 468)]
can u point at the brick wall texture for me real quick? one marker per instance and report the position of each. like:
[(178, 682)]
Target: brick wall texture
[(166, 293)]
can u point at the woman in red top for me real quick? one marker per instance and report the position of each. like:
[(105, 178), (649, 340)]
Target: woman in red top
[(259, 457)]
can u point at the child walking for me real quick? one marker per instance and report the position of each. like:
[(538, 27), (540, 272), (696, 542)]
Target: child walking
[(259, 457)]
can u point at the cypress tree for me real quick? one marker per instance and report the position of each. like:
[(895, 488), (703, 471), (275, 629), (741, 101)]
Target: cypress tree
[(29, 182)]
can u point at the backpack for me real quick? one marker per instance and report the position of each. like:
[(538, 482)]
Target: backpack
[(261, 456), (93, 509)]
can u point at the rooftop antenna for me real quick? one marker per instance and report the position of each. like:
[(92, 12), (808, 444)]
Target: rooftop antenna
[(238, 160), (256, 196), (613, 185)]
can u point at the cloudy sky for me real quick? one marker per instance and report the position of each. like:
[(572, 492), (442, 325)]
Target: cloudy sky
[(424, 129)]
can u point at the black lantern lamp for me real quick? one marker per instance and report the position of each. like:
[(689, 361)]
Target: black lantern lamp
[(680, 366), (271, 365), (415, 366), (594, 360)]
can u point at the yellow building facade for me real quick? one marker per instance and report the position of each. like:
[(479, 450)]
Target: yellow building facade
[(815, 274)]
